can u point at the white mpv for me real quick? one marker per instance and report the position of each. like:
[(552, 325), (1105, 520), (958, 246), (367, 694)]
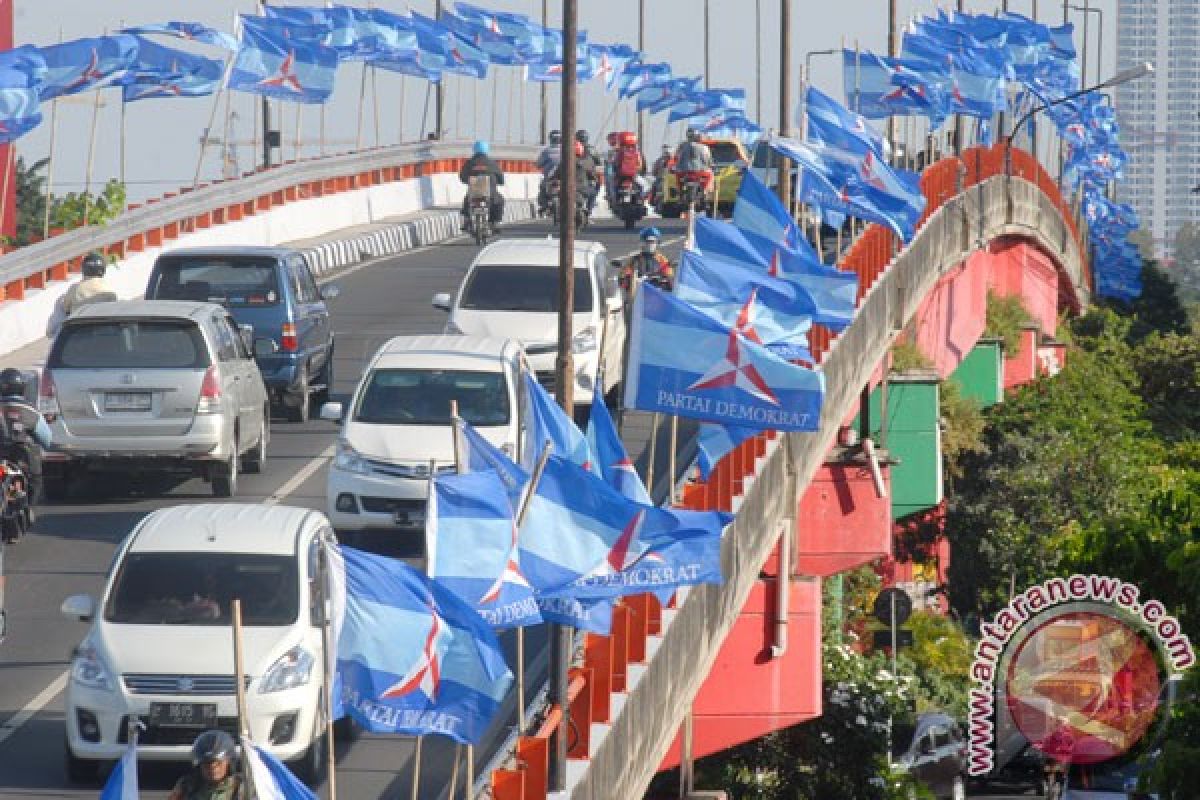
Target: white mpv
[(511, 291), (160, 648)]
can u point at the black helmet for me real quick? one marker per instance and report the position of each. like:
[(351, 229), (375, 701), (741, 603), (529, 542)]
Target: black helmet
[(213, 746), (555, 137), (581, 136), (93, 265), (12, 382)]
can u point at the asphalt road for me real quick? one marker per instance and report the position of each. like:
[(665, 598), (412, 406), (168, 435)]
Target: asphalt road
[(72, 545)]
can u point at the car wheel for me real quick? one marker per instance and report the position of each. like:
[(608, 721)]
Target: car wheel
[(225, 476), (297, 403), (321, 396), (312, 766), (254, 461), (959, 790), (80, 771)]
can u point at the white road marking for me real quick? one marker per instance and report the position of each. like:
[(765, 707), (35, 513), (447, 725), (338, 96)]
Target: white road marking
[(56, 687), (17, 720)]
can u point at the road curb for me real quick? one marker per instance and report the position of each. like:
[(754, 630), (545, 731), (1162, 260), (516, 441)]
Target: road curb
[(399, 238)]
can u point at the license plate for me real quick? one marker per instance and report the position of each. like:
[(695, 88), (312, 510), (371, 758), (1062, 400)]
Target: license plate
[(409, 518), (183, 715), (127, 401)]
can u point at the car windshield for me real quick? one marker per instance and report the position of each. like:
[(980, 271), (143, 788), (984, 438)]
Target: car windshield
[(231, 281), (423, 397), (199, 589), (501, 287), (724, 152), (121, 344)]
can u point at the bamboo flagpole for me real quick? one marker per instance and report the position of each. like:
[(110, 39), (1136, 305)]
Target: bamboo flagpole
[(50, 164), (330, 654), (403, 106), (91, 159), (8, 168), (671, 461), (212, 118), (238, 681), (416, 775), (375, 102), (522, 513), (296, 141), (362, 99), (653, 453), (468, 784)]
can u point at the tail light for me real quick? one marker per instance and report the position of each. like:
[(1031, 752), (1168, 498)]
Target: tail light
[(210, 392), (3, 471), (48, 397), (288, 341)]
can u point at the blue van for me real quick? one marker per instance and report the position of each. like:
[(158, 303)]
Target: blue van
[(271, 289)]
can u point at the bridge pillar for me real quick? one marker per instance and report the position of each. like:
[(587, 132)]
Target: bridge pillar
[(841, 521), (1022, 367)]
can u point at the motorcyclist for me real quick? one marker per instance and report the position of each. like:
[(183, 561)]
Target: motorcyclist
[(585, 177), (92, 289), (480, 163), (592, 163), (661, 167), (547, 162), (212, 776), (693, 156), (27, 429), (649, 264)]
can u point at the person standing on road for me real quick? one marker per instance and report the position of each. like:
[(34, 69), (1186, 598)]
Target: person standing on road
[(211, 776), (92, 289)]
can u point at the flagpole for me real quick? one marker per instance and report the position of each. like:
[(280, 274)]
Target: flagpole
[(468, 786), (362, 100), (403, 106), (212, 118), (296, 141), (454, 770), (425, 108), (671, 462), (238, 669), (91, 159), (123, 104), (416, 777), (475, 106), (512, 101), (494, 101), (327, 676), (50, 165), (10, 156), (375, 100), (653, 453), (522, 513)]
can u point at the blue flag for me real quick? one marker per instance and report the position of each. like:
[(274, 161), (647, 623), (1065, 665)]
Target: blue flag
[(166, 72), (878, 87), (287, 68), (479, 455), (683, 362), (414, 658), (122, 783), (764, 309), (834, 293), (551, 424), (584, 539), (636, 77), (83, 64), (705, 102), (832, 123), (611, 459), (271, 779), (498, 48), (191, 31), (760, 211), (471, 548), (22, 71), (456, 54)]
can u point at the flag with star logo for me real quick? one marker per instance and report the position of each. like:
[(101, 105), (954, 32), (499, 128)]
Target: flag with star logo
[(612, 461), (412, 657), (83, 64), (167, 72), (471, 547), (683, 362), (272, 62)]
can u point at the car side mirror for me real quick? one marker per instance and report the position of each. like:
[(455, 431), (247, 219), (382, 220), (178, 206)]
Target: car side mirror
[(441, 301), (332, 412), (265, 346), (79, 606), (247, 334), (330, 291)]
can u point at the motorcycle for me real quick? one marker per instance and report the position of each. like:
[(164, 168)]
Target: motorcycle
[(582, 217), (693, 190), (16, 516), (628, 203), (553, 189), (479, 208)]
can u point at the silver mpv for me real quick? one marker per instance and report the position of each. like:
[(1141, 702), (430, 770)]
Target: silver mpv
[(154, 385)]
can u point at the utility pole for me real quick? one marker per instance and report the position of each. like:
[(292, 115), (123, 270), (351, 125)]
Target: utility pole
[(544, 89), (785, 92), (641, 117), (439, 92), (707, 48), (564, 369)]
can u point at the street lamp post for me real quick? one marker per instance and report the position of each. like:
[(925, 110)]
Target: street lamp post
[(1099, 12)]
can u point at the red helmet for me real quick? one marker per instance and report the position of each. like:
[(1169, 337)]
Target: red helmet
[(579, 149), (628, 139)]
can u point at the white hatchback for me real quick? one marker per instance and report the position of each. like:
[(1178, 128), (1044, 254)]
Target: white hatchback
[(398, 424), (511, 291), (160, 648)]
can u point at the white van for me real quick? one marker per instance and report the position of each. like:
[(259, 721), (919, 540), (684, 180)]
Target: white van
[(160, 647), (511, 291)]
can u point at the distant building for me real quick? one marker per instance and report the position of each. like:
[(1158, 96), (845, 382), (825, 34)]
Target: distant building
[(1160, 115)]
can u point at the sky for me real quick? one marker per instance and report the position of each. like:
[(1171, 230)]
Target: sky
[(162, 137)]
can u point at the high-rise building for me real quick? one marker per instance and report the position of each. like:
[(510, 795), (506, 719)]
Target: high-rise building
[(1160, 115)]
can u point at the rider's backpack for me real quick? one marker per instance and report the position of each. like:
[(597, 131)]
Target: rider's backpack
[(629, 162)]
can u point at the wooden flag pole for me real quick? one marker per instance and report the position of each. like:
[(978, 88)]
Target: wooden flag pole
[(238, 669), (50, 166), (362, 99), (653, 453), (327, 673), (403, 106), (522, 513), (212, 118), (468, 785), (8, 168), (456, 439), (671, 460), (454, 771), (375, 102), (91, 159), (416, 778)]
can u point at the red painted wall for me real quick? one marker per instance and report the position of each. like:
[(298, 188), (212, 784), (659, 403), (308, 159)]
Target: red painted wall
[(8, 225), (841, 522), (1020, 269), (749, 694), (952, 317), (1024, 366)]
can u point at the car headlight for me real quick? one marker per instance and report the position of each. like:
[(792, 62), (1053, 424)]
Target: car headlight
[(453, 330), (88, 670), (292, 669), (584, 341), (347, 459)]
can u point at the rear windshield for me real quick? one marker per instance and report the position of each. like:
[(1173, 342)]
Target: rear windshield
[(230, 281), (423, 397), (764, 156), (725, 152), (199, 589), (500, 287), (119, 344)]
